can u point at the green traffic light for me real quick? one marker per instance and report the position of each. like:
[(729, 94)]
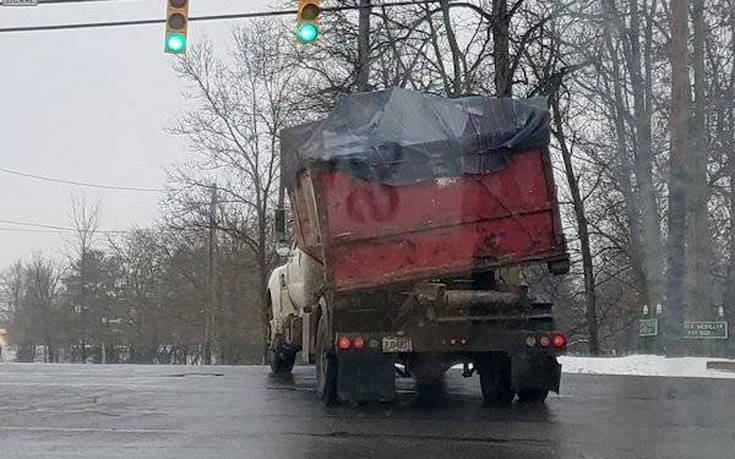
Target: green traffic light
[(175, 43), (307, 32)]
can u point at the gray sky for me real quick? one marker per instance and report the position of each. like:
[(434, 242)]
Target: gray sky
[(89, 105)]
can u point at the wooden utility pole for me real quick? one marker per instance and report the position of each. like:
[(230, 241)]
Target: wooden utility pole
[(363, 47), (211, 277)]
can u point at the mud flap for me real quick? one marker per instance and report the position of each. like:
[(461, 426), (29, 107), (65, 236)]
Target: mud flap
[(365, 377), (535, 372)]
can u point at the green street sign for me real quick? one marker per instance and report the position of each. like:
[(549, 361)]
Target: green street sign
[(705, 330), (648, 327)]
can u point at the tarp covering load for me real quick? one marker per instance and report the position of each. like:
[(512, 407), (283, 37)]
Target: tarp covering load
[(400, 137)]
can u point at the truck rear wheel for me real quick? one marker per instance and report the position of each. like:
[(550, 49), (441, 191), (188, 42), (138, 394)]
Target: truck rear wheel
[(326, 364), (532, 395), (495, 378)]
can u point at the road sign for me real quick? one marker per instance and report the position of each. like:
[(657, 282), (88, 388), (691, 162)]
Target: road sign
[(19, 3), (648, 327), (705, 330)]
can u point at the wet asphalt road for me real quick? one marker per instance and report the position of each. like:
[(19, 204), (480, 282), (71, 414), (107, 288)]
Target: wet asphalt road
[(241, 412)]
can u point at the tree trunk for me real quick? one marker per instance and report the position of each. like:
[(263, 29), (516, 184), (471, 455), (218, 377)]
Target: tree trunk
[(698, 299), (653, 250), (363, 47), (262, 261), (728, 301), (582, 230), (501, 53), (454, 47), (680, 107), (635, 251)]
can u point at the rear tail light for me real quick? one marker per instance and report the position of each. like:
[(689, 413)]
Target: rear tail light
[(344, 343), (544, 341), (559, 341), (358, 342)]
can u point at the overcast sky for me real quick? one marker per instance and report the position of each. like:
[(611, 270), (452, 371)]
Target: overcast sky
[(89, 105)]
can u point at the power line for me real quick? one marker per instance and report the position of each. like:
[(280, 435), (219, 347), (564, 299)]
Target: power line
[(27, 230), (217, 17), (44, 2), (57, 228), (46, 228), (78, 183)]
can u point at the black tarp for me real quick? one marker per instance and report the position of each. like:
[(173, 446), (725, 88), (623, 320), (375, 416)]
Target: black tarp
[(399, 137)]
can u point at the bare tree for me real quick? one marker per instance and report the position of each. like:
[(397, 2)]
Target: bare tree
[(85, 217), (240, 105)]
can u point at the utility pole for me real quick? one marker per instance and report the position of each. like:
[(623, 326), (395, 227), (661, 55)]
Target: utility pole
[(363, 47), (211, 277)]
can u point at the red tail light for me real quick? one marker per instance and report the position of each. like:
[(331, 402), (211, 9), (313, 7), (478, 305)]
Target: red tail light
[(358, 342), (559, 341), (344, 343), (544, 341)]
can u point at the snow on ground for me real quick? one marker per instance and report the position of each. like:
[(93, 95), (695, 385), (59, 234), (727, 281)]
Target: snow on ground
[(644, 365)]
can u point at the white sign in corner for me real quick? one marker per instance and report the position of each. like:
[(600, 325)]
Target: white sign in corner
[(19, 3)]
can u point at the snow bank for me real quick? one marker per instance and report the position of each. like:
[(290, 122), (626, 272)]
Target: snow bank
[(643, 365)]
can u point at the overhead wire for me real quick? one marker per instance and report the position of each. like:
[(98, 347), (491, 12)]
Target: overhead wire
[(47, 228), (80, 183), (27, 230), (215, 17), (57, 228)]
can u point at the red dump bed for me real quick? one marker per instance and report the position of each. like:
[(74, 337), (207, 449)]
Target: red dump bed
[(371, 235)]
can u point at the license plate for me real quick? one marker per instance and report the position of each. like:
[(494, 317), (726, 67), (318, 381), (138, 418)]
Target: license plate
[(392, 344)]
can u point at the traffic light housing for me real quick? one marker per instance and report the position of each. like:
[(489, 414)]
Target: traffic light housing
[(307, 21), (177, 23)]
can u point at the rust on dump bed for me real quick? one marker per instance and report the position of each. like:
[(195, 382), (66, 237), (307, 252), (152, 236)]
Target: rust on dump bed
[(369, 234)]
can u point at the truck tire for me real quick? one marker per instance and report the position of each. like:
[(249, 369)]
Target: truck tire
[(495, 378), (283, 358), (532, 395), (326, 364)]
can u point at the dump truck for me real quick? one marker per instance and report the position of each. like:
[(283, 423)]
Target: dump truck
[(414, 217)]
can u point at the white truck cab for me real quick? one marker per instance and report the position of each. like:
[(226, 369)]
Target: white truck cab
[(293, 293)]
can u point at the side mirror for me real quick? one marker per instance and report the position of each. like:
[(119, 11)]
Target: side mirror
[(280, 224), (282, 248)]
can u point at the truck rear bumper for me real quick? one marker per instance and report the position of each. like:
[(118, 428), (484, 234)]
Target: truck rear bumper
[(458, 340), (370, 376)]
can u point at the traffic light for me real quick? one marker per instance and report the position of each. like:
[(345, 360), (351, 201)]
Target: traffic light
[(177, 21), (307, 21)]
